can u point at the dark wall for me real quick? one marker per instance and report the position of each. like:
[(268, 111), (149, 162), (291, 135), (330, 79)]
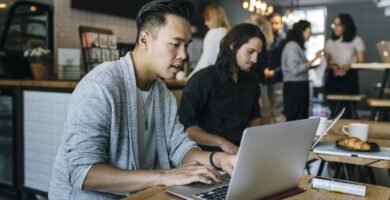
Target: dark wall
[(234, 11), (121, 8), (129, 9)]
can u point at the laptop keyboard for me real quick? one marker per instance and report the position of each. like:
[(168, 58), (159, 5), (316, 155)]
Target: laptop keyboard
[(214, 193)]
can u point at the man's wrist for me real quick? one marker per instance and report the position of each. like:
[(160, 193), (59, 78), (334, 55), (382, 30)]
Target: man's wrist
[(215, 162), (215, 159), (161, 177)]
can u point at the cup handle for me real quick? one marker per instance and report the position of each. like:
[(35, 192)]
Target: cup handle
[(344, 130)]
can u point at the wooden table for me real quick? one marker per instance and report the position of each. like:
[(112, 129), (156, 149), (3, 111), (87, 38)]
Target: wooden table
[(378, 132), (372, 192), (373, 66), (171, 84)]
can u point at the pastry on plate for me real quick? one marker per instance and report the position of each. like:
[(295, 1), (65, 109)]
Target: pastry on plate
[(354, 143)]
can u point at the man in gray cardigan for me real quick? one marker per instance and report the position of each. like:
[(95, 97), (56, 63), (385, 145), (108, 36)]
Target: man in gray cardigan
[(122, 133)]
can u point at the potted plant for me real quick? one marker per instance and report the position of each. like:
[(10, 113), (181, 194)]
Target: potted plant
[(40, 62)]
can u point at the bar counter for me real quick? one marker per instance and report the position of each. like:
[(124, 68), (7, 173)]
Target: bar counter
[(171, 84)]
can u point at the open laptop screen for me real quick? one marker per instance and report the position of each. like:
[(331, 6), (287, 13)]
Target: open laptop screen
[(329, 127)]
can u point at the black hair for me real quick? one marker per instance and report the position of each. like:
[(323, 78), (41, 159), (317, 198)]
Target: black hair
[(233, 40), (296, 33), (153, 14), (349, 28)]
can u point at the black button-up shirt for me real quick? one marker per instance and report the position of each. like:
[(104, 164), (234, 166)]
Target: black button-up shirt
[(212, 100)]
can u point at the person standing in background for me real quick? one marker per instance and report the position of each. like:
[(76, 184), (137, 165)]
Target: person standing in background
[(221, 100), (341, 50), (269, 71), (295, 72), (265, 27), (216, 21), (262, 62)]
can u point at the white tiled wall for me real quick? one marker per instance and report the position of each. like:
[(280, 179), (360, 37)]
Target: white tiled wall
[(44, 117), (67, 20)]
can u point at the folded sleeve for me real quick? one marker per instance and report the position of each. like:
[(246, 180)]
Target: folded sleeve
[(178, 142), (359, 44)]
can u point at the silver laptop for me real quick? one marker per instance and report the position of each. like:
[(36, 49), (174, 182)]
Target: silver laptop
[(384, 51), (266, 154)]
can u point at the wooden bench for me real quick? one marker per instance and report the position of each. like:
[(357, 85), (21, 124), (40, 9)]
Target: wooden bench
[(350, 99), (380, 106)]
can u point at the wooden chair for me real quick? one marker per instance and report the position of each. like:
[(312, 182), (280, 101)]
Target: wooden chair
[(350, 99)]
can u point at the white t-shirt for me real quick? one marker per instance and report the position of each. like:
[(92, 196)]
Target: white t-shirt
[(343, 53), (210, 48), (147, 142)]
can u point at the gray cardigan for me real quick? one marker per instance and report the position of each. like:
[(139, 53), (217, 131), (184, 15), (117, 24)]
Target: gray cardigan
[(101, 127), (293, 63)]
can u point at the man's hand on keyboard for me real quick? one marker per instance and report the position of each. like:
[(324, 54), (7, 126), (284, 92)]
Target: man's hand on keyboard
[(225, 161), (190, 173)]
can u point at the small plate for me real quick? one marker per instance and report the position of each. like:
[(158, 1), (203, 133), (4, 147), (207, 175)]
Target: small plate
[(374, 147)]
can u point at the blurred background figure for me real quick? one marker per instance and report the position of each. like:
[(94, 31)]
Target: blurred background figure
[(341, 50), (295, 72), (269, 71), (265, 27), (216, 21)]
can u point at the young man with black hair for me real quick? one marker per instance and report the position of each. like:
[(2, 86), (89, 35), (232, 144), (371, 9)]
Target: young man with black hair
[(122, 134), (220, 101)]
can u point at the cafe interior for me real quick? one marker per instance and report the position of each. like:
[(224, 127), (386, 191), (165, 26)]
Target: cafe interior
[(48, 46)]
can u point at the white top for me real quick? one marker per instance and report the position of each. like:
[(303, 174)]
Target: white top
[(146, 142), (210, 48), (343, 53)]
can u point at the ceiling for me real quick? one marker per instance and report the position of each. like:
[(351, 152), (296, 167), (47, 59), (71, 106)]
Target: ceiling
[(312, 2)]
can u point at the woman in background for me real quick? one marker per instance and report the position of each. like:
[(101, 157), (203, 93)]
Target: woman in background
[(215, 19), (341, 50), (295, 67)]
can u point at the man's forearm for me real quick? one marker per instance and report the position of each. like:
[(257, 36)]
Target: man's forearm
[(202, 137), (106, 178), (255, 122), (220, 159), (196, 155)]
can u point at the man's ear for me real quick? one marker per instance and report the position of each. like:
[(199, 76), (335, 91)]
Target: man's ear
[(144, 39)]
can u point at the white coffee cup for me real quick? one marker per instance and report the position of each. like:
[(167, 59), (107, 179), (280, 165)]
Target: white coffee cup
[(322, 125), (359, 130)]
